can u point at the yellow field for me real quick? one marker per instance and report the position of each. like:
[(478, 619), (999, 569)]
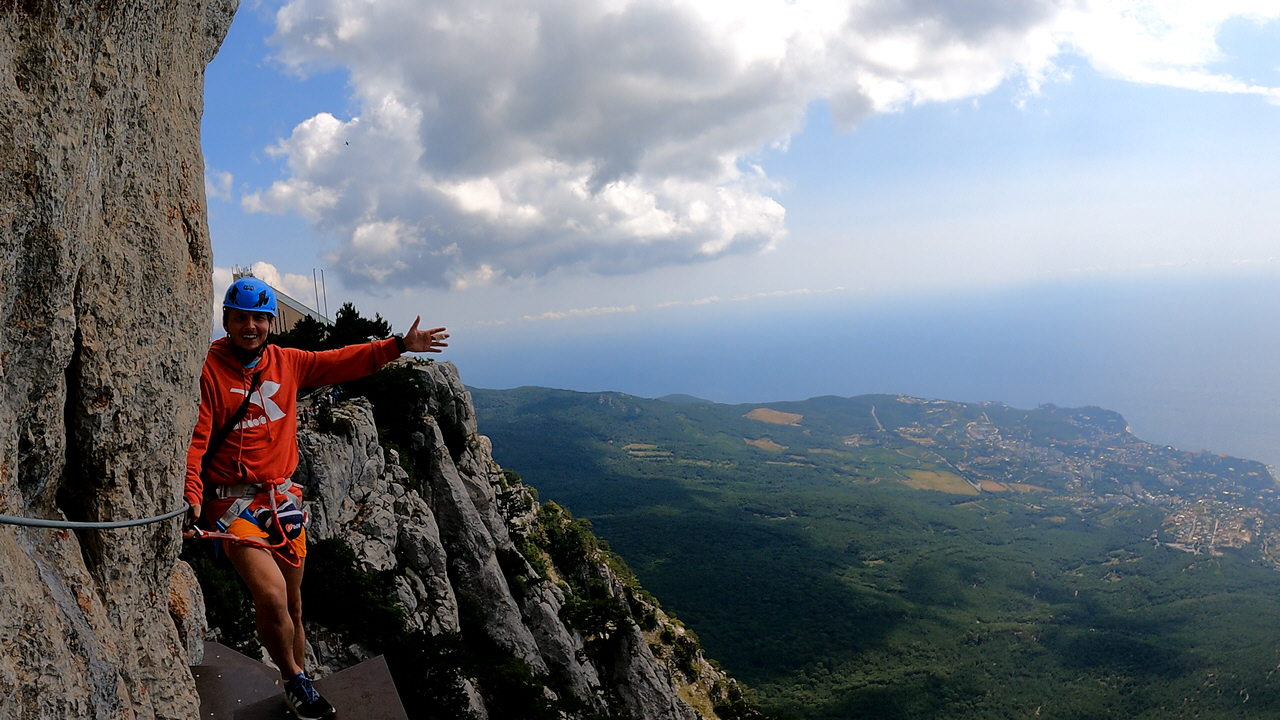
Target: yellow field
[(765, 444), (774, 416), (992, 486), (640, 446), (941, 481), (824, 451)]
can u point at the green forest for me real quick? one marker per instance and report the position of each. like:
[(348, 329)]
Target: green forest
[(888, 557)]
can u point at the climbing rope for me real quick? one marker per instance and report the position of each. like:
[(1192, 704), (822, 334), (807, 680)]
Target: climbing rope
[(42, 523)]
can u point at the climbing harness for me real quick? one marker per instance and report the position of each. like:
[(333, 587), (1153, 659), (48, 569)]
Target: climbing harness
[(73, 525), (244, 495)]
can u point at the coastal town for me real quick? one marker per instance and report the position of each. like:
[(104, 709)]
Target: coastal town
[(1088, 458)]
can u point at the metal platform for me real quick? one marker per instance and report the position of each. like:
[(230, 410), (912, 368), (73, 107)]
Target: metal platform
[(236, 687)]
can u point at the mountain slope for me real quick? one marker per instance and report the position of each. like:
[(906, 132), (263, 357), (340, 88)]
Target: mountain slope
[(885, 556)]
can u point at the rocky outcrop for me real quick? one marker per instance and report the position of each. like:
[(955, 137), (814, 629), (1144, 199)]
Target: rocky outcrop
[(186, 607), (462, 530), (356, 495), (105, 269)]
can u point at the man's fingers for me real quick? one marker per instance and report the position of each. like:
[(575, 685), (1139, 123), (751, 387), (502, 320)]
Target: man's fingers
[(425, 340)]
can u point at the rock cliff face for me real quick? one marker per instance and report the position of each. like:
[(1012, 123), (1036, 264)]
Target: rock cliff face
[(104, 293), (463, 531)]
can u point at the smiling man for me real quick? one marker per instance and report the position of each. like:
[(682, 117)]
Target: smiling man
[(244, 450)]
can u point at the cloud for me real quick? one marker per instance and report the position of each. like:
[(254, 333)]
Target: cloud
[(580, 313), (217, 184), (497, 139), (745, 297)]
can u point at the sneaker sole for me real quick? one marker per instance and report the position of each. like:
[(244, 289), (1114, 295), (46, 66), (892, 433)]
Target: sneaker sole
[(298, 714)]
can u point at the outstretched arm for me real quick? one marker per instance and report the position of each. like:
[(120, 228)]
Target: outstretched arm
[(425, 340), (329, 367)]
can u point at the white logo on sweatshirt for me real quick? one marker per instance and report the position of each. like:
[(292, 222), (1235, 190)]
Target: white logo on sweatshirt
[(262, 398)]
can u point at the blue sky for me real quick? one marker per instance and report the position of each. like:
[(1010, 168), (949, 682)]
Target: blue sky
[(556, 191)]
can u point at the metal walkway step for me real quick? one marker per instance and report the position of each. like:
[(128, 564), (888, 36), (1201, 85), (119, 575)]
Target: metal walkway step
[(233, 686)]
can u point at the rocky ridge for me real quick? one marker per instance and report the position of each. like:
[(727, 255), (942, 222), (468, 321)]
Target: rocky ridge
[(465, 531)]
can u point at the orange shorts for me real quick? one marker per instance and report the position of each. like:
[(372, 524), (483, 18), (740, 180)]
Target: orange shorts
[(246, 528), (242, 528), (296, 547)]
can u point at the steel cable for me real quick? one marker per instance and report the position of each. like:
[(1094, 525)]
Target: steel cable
[(42, 523)]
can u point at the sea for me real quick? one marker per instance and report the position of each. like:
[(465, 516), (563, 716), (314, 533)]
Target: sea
[(1190, 361)]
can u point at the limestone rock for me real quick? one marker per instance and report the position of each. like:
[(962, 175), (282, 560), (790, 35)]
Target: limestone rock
[(186, 607), (562, 648), (472, 552), (449, 532), (647, 691), (105, 270), (355, 495)]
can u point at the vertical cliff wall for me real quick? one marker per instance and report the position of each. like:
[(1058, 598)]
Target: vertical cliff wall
[(104, 288)]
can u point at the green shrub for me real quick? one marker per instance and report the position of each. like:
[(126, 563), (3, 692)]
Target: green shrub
[(569, 542), (598, 619), (686, 648), (534, 555), (357, 604)]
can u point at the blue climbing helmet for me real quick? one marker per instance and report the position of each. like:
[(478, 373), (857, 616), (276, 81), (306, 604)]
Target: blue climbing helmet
[(251, 294)]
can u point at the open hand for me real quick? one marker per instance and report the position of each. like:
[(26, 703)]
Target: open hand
[(425, 340)]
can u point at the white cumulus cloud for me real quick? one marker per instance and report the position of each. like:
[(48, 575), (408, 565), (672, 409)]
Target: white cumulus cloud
[(217, 184), (499, 139)]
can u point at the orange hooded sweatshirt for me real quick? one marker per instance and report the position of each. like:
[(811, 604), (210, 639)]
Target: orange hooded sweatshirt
[(264, 444)]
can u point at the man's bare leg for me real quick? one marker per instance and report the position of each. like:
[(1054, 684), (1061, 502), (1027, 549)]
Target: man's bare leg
[(293, 585), (270, 604)]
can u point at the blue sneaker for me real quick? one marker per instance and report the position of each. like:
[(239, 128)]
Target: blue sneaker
[(307, 704)]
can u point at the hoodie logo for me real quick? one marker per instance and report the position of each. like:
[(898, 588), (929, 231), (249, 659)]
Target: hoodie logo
[(262, 398)]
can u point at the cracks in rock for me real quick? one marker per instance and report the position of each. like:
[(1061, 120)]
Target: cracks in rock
[(195, 248), (76, 488), (71, 487), (455, 438)]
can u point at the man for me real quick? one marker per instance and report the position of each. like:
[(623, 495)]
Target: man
[(245, 444)]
